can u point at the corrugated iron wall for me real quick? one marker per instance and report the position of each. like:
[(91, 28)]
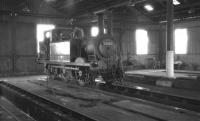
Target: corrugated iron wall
[(157, 45), (18, 48), (5, 47), (129, 47), (191, 60)]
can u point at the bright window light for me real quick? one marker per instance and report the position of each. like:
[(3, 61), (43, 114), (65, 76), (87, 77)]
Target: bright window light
[(95, 31), (176, 2), (142, 41), (181, 41), (41, 28), (48, 34), (60, 48), (149, 7)]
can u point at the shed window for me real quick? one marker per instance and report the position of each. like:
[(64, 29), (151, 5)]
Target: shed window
[(181, 41), (95, 31), (142, 41), (41, 28)]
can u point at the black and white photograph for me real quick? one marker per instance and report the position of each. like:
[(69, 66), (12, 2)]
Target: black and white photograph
[(99, 60)]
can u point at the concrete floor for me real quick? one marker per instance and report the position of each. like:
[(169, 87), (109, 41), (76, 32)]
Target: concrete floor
[(101, 106), (162, 73)]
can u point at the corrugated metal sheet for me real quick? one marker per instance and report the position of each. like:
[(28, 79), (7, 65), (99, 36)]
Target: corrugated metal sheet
[(18, 48)]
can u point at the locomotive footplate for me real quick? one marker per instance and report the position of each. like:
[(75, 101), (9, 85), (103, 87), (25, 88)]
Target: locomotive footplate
[(70, 72)]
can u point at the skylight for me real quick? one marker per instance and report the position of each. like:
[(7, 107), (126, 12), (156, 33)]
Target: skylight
[(149, 7), (176, 2)]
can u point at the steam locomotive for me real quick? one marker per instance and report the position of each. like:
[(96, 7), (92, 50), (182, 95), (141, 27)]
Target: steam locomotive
[(68, 55)]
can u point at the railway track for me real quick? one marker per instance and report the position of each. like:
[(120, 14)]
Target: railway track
[(154, 96), (106, 102), (47, 109), (146, 96), (117, 93), (9, 112), (39, 108), (7, 115)]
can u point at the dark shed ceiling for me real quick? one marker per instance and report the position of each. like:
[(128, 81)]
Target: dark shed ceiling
[(187, 8), (35, 8), (76, 8)]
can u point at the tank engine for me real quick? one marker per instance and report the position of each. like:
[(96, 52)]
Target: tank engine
[(68, 55)]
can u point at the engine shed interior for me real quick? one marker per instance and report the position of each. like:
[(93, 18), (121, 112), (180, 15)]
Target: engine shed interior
[(99, 60)]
